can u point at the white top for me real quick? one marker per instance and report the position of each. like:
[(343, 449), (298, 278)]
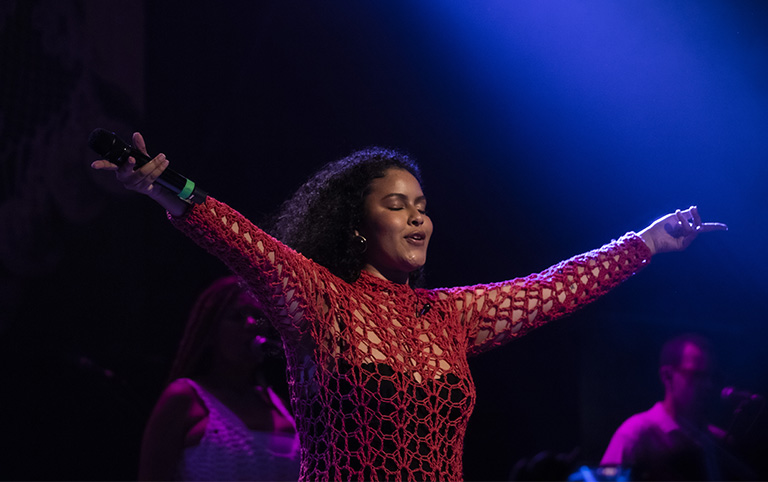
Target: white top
[(229, 450)]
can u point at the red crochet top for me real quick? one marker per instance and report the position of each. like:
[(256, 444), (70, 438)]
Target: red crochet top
[(378, 373)]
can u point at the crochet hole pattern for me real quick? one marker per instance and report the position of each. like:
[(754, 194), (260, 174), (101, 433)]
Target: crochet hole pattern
[(380, 385)]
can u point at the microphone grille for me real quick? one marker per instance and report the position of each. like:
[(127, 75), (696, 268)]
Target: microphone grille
[(726, 393), (101, 141)]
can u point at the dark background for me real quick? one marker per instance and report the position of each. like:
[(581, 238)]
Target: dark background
[(544, 129)]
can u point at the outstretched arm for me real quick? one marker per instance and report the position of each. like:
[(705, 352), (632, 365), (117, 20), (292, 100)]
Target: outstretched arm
[(142, 179), (286, 282), (498, 312)]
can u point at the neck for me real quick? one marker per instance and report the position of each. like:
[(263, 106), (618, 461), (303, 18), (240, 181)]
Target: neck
[(669, 407), (398, 277), (237, 377), (684, 418)]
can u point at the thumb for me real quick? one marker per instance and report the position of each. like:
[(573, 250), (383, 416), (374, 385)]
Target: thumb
[(138, 142)]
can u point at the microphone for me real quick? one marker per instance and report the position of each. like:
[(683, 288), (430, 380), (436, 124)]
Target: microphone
[(116, 151), (425, 309), (730, 394), (267, 346)]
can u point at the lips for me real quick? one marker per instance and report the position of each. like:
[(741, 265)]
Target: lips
[(417, 237)]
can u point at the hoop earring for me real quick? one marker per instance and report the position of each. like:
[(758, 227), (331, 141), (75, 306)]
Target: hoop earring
[(360, 243)]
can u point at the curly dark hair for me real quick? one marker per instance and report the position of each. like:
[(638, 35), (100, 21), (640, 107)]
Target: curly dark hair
[(320, 219)]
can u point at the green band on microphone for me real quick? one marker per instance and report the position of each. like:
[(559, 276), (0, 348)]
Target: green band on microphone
[(189, 186)]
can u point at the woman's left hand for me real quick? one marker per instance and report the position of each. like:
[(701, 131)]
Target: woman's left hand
[(676, 231)]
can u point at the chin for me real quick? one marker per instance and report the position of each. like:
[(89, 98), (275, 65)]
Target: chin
[(413, 266)]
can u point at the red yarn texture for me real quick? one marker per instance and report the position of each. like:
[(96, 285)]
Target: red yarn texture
[(380, 385)]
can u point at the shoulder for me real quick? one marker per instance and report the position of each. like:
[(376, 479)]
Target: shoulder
[(627, 436), (176, 412), (634, 427), (640, 421), (168, 430), (180, 388), (181, 399)]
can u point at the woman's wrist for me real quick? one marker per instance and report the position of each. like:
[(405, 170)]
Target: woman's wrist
[(176, 206), (648, 240)]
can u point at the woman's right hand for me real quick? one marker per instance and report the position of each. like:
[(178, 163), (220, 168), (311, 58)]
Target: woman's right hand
[(142, 180)]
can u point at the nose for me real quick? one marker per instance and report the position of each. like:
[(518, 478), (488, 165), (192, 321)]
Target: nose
[(251, 321), (417, 219)]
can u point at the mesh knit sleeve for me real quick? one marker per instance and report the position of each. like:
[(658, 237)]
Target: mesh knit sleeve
[(289, 284), (497, 313)]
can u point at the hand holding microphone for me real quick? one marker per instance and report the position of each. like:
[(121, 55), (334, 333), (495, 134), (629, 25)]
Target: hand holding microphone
[(730, 394), (138, 172), (263, 346)]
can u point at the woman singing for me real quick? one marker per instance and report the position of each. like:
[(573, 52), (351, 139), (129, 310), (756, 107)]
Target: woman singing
[(378, 372)]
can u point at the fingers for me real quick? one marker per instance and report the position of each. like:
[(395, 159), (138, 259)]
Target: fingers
[(681, 218), (126, 169), (136, 178), (690, 223), (694, 211), (142, 179), (103, 165), (138, 142), (695, 219), (690, 216), (707, 227), (686, 223)]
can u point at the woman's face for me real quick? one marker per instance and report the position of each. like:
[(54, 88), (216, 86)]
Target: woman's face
[(241, 323), (396, 226)]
